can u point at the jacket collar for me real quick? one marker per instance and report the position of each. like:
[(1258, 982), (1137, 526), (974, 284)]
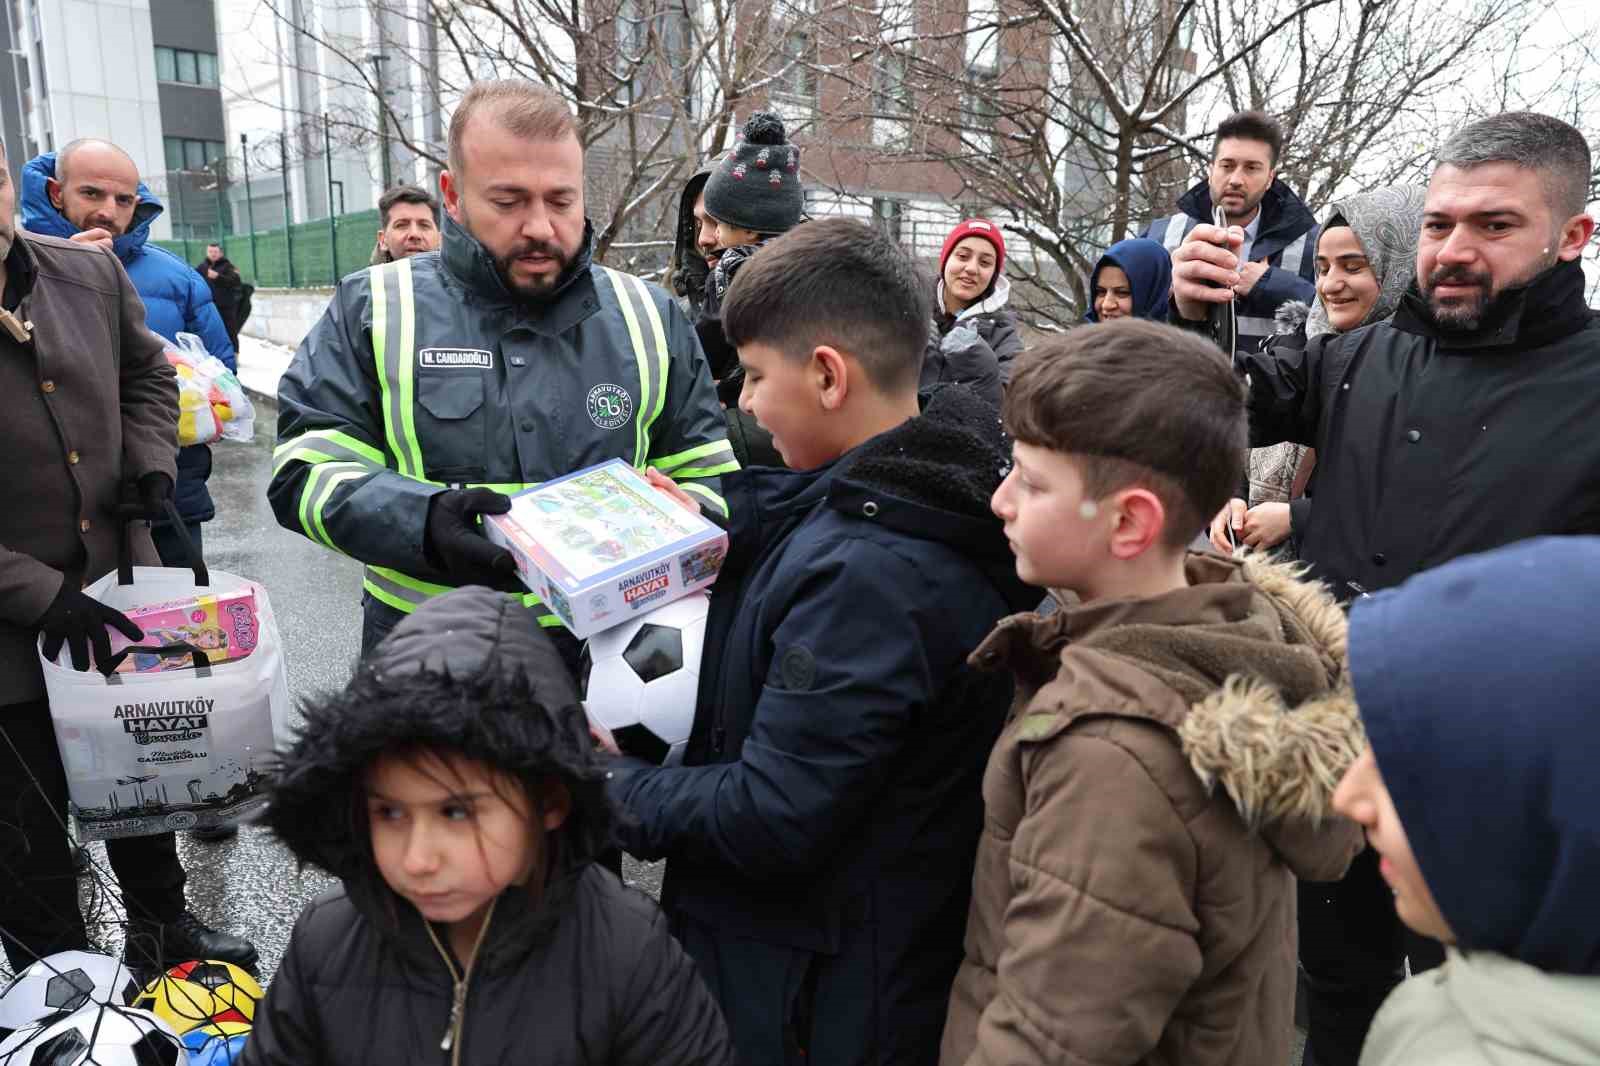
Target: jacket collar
[(1549, 307), (470, 265), (999, 296), (42, 216), (1284, 216)]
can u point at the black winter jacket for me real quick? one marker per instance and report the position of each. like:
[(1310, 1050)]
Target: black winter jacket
[(590, 979), (1434, 444), (822, 830), (975, 349)]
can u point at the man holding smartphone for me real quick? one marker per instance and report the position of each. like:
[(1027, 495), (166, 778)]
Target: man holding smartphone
[(1278, 230), (1463, 423)]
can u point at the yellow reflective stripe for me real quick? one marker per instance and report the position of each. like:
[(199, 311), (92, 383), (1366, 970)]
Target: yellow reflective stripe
[(316, 508), (428, 589), (667, 463), (639, 355), (407, 363), (310, 491), (405, 593), (655, 405), (706, 471), (550, 621), (711, 497), (378, 278), (380, 592), (334, 439)]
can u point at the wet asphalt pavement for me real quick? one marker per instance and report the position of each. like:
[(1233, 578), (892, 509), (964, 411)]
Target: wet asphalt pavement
[(250, 885)]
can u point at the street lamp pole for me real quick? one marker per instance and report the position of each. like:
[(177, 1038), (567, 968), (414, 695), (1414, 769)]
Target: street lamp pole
[(333, 220), (288, 214), (249, 205), (377, 59)]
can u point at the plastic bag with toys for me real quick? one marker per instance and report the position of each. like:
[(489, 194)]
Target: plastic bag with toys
[(212, 404)]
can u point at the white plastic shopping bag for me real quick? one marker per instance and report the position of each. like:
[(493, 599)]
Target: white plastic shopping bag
[(162, 750)]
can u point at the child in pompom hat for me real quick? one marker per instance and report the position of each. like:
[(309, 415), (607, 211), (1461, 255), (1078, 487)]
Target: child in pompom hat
[(975, 338), (753, 194)]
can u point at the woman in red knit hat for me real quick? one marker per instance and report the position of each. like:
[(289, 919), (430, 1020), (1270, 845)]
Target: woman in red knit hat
[(974, 338)]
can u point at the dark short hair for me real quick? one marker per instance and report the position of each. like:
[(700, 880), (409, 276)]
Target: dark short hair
[(1137, 403), (404, 194), (1251, 126), (214, 244), (527, 109), (1547, 146), (835, 282)]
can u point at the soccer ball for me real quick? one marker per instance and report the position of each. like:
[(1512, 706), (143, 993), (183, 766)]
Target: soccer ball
[(95, 1034), (230, 984), (641, 679), (217, 1044), (185, 1005), (61, 983)]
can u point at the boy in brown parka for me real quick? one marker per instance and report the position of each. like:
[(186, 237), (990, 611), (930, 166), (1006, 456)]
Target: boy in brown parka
[(1177, 734)]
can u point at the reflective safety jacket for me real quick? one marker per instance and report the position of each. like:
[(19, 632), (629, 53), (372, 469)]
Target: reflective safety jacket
[(425, 374)]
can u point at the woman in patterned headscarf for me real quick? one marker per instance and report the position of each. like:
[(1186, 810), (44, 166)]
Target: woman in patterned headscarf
[(1366, 259)]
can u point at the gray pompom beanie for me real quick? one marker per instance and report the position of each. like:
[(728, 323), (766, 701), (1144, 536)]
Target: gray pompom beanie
[(757, 184)]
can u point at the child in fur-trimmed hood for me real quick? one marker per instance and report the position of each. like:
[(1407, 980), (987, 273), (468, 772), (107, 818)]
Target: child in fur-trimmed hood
[(1177, 732), (453, 789)]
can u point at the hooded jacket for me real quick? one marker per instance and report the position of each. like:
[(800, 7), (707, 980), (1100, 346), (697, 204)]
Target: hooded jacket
[(820, 834), (1149, 269), (1287, 240), (975, 348), (176, 300), (375, 418), (585, 974), (1513, 859), (687, 272), (1164, 777), (1434, 443)]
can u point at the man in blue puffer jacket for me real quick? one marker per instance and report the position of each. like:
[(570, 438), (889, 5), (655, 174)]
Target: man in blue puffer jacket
[(90, 191)]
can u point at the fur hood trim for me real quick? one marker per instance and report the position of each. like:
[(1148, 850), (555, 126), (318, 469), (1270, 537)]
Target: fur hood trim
[(1278, 762)]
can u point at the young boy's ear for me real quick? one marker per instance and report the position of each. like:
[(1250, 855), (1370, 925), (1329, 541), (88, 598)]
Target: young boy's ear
[(1138, 521), (831, 376)]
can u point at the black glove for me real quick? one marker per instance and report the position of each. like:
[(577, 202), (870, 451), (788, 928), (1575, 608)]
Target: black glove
[(457, 548), (80, 621), (154, 490)]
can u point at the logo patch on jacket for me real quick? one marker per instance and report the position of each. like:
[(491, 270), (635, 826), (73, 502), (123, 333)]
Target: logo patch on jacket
[(456, 359), (610, 406)]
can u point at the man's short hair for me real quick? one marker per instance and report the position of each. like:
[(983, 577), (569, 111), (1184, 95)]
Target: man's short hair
[(835, 282), (524, 108), (1540, 143), (1251, 126), (1137, 403), (404, 194)]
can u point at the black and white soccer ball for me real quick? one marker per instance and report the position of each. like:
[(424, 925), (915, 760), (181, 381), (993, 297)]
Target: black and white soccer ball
[(640, 679), (96, 1034), (61, 983)]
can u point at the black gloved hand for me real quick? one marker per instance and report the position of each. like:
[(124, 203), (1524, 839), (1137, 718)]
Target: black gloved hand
[(154, 490), (457, 548), (80, 622)]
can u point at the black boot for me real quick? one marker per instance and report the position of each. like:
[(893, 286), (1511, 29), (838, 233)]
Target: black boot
[(152, 947)]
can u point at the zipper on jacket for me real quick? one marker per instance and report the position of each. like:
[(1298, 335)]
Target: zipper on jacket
[(458, 1000)]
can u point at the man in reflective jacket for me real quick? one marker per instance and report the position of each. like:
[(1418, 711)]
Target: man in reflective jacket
[(435, 386)]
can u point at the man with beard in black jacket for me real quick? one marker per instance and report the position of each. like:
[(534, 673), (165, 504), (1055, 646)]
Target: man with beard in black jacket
[(1464, 423)]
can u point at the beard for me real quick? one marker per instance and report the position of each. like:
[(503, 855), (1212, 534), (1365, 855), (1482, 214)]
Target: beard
[(1466, 316), (8, 237), (536, 291)]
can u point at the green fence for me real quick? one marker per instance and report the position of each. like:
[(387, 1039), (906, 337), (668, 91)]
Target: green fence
[(305, 255)]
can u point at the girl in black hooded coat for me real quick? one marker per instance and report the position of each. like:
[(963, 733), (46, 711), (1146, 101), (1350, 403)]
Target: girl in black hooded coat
[(452, 787)]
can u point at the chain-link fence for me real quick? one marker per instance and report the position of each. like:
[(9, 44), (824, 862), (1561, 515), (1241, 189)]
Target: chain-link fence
[(304, 255)]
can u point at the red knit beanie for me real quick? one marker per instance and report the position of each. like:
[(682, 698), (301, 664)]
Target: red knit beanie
[(975, 227)]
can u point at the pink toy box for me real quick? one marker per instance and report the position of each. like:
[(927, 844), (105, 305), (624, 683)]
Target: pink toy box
[(224, 627)]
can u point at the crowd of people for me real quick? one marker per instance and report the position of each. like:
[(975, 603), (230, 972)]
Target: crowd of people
[(1074, 702)]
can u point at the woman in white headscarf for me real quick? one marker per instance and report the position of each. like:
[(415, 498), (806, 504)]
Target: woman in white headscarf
[(1366, 259)]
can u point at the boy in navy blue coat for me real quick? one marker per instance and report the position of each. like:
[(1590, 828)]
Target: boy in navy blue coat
[(822, 828)]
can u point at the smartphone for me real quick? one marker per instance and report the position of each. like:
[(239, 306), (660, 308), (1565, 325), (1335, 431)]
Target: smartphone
[(1224, 320)]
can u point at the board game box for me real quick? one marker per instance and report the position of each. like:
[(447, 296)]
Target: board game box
[(600, 546)]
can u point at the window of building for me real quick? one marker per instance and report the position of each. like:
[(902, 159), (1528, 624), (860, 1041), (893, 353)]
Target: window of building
[(982, 106), (185, 153), (797, 77), (186, 68), (891, 97)]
